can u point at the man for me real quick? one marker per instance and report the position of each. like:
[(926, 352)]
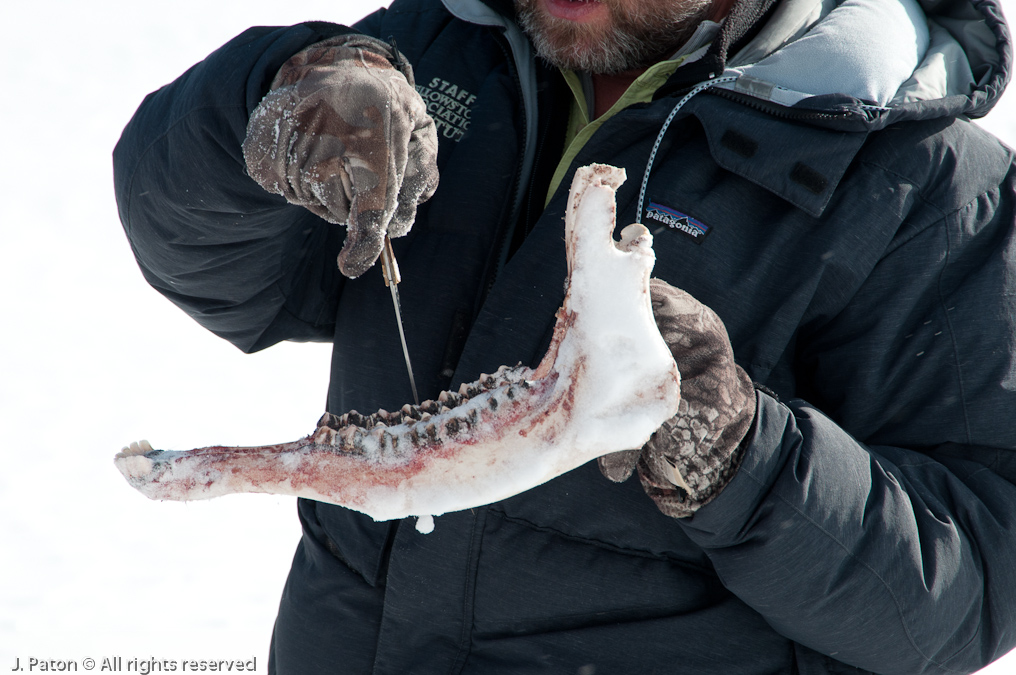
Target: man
[(810, 175)]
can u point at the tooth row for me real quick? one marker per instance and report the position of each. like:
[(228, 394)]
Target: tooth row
[(485, 383), (348, 423), (407, 414), (380, 440)]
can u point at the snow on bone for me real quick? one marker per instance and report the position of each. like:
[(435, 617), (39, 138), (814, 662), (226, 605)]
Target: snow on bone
[(606, 383)]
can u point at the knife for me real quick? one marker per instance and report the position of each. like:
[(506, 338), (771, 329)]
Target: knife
[(390, 272)]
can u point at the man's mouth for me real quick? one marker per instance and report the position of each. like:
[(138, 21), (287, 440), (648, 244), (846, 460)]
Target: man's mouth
[(575, 10)]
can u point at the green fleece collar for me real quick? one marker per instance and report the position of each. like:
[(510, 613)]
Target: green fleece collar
[(581, 127)]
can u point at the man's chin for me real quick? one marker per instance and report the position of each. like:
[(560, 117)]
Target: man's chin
[(570, 54), (595, 44)]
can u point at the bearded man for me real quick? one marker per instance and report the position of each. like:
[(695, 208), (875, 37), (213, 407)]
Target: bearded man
[(836, 492)]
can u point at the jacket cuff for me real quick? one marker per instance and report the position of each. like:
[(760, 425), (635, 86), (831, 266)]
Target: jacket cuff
[(763, 452)]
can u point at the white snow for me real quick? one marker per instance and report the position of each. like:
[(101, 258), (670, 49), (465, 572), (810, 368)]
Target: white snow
[(90, 567)]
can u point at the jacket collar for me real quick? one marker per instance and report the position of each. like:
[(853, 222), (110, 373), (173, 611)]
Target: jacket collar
[(800, 163), (947, 59), (894, 59), (505, 8)]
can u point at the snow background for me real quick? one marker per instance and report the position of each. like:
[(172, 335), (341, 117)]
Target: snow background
[(92, 358)]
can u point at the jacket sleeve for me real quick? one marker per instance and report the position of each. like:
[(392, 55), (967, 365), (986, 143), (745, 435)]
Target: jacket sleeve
[(892, 548), (242, 262)]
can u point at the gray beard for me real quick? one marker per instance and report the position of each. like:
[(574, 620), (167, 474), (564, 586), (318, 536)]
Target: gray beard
[(628, 45)]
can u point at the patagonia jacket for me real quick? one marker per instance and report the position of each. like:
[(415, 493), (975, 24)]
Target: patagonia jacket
[(818, 182)]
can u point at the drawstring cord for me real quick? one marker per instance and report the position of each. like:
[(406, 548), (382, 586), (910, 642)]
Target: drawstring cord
[(666, 124)]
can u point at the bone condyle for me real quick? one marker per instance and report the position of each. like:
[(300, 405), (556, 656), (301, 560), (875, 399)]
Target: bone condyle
[(607, 382)]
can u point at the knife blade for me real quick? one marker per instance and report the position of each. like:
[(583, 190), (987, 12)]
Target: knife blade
[(390, 272)]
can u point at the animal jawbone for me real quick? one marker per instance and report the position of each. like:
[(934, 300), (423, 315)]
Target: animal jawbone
[(607, 382)]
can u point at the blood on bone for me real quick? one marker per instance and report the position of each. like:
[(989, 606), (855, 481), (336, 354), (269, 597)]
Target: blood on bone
[(601, 387), (333, 470)]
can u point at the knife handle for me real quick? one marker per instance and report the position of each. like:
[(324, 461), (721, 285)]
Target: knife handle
[(389, 268)]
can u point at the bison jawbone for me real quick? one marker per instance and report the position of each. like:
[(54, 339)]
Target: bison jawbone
[(606, 384)]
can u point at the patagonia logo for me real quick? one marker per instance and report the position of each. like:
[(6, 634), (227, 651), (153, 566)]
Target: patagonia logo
[(450, 105), (675, 220)]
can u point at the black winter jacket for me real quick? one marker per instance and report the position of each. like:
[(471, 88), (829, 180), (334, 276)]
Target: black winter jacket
[(860, 249)]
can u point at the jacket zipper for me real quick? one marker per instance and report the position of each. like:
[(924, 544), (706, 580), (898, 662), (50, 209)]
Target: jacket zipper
[(785, 113)]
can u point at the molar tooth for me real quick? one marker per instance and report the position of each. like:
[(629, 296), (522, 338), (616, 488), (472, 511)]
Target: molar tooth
[(431, 431), (347, 438), (489, 381), (510, 392), (327, 420), (453, 426), (425, 416), (464, 390), (381, 418), (492, 403), (325, 435)]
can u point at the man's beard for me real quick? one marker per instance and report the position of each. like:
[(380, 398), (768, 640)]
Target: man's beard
[(634, 39)]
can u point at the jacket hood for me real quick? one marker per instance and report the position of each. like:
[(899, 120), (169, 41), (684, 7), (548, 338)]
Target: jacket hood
[(868, 61), (884, 60)]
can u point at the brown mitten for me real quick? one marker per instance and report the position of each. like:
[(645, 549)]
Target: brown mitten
[(695, 453), (344, 133)]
